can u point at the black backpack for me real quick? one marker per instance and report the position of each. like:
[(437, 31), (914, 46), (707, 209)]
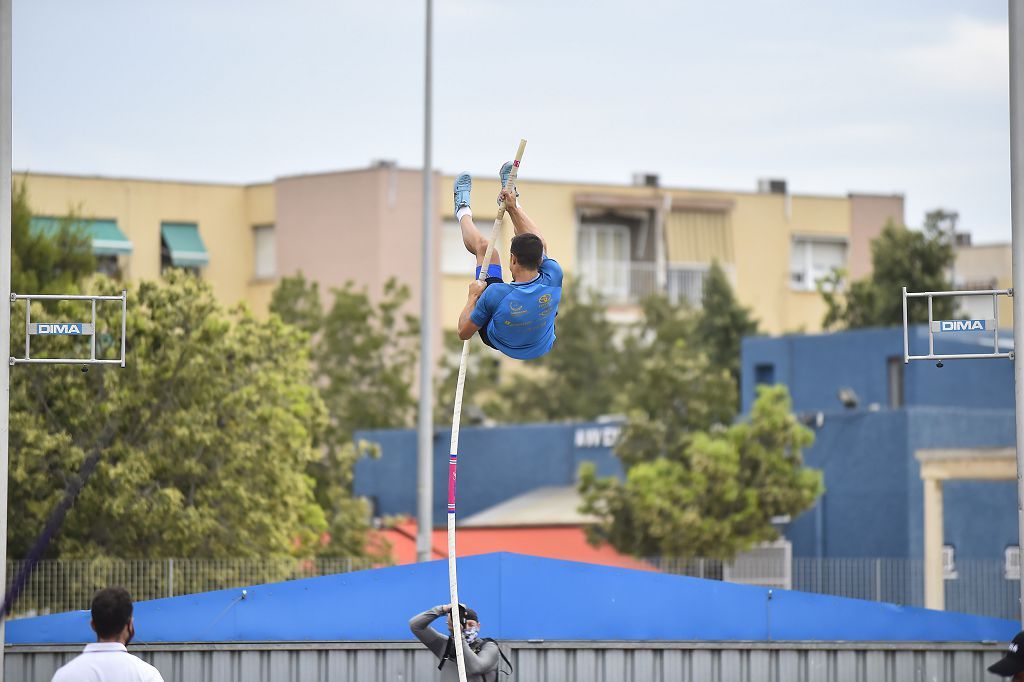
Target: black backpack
[(449, 653)]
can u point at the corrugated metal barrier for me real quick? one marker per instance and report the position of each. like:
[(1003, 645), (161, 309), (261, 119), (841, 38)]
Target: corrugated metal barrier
[(547, 661)]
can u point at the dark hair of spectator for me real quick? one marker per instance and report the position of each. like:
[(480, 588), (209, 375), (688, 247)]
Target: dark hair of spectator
[(111, 611)]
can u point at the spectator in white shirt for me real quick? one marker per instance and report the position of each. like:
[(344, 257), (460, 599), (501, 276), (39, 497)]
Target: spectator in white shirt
[(108, 659)]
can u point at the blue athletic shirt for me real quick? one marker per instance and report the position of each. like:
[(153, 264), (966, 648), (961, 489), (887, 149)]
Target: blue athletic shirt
[(520, 317)]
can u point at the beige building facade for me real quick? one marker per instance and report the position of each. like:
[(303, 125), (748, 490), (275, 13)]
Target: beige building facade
[(622, 241), (979, 267)]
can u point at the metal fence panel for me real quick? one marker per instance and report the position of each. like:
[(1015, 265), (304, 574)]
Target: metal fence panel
[(547, 661), (980, 587), (58, 586)]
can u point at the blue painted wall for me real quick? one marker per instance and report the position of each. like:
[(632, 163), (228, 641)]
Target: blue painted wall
[(582, 602), (495, 464), (816, 366), (994, 513), (873, 505), (874, 500), (863, 513)]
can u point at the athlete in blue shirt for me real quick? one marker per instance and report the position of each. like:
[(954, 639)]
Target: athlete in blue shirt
[(517, 319)]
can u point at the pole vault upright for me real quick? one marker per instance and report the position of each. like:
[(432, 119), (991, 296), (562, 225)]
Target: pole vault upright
[(1016, 26), (6, 72), (453, 459)]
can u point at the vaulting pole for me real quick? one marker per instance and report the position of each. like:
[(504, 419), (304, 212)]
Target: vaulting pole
[(453, 460)]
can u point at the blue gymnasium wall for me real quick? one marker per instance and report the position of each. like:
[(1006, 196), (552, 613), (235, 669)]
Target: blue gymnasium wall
[(862, 456), (495, 464), (816, 366), (874, 498), (591, 603), (980, 517)]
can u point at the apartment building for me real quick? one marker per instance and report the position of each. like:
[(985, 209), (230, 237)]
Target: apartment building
[(624, 241), (983, 266)]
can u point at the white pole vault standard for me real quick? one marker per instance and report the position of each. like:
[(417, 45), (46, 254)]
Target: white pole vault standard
[(1016, 25), (453, 459)]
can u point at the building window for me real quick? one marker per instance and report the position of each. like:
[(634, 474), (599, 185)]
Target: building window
[(264, 252), (604, 260), (949, 562), (108, 265), (895, 372), (686, 284), (181, 246), (764, 374), (812, 259), (108, 241), (1011, 563), (455, 259)]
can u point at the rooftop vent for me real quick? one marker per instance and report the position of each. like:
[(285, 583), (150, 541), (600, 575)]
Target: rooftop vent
[(645, 179), (771, 186)]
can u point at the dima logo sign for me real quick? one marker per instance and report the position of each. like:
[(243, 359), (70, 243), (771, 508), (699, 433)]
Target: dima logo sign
[(963, 325), (59, 328)]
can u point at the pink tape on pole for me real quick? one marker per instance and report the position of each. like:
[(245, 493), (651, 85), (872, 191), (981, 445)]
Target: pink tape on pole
[(453, 462)]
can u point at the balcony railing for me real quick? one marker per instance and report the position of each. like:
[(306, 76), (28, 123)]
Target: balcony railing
[(630, 282)]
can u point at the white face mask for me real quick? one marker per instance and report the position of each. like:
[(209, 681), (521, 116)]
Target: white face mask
[(471, 634)]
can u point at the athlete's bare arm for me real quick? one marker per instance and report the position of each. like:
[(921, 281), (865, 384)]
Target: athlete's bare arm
[(466, 326), (520, 220)]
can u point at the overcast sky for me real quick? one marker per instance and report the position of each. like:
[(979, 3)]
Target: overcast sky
[(835, 96)]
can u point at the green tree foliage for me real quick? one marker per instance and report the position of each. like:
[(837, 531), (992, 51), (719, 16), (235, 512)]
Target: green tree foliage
[(917, 259), (481, 382), (722, 322), (363, 357), (43, 263), (703, 493), (675, 393), (203, 439)]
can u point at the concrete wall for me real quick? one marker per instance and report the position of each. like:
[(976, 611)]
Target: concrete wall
[(495, 464), (873, 504), (361, 226), (864, 510), (986, 266), (869, 214), (225, 215), (546, 661), (980, 525), (815, 367), (365, 225)]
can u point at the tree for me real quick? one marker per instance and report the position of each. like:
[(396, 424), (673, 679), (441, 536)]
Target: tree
[(917, 259), (675, 393), (46, 263), (363, 357), (708, 493), (201, 442), (481, 382), (722, 322)]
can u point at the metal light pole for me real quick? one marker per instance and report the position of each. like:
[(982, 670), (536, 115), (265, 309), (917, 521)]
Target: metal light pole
[(425, 451), (1016, 26), (5, 286)]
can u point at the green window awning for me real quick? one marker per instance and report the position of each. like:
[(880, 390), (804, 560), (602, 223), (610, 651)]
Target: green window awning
[(184, 245), (107, 237)]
